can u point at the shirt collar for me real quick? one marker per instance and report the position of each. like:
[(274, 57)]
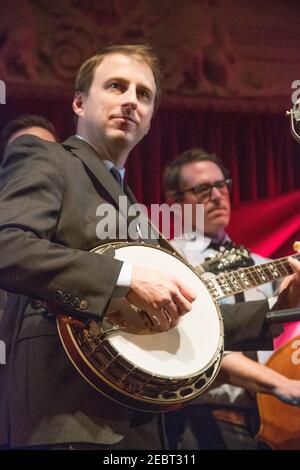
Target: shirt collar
[(221, 239), (109, 165), (190, 237)]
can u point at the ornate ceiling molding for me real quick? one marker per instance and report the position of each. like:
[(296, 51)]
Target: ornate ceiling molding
[(224, 55)]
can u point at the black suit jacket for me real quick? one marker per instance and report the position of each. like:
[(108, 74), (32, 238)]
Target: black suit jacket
[(48, 204)]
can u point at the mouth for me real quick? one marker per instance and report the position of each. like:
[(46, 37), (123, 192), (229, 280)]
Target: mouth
[(218, 209), (124, 118)]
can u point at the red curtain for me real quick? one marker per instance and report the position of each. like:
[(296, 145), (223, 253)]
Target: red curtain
[(269, 226), (263, 158), (257, 148)]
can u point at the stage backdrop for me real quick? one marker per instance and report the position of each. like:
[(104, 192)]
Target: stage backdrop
[(268, 226), (257, 148)]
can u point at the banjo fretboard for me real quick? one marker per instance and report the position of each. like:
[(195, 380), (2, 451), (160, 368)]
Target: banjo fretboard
[(231, 283)]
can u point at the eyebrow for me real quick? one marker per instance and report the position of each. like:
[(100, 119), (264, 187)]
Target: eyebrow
[(222, 180), (125, 81)]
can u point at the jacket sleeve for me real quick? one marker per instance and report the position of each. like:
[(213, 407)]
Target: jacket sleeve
[(245, 326), (31, 262)]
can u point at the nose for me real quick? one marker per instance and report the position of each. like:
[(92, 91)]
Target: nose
[(129, 99), (215, 193)]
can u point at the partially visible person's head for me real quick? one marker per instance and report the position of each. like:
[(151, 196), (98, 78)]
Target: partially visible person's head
[(196, 177), (28, 124), (116, 93)]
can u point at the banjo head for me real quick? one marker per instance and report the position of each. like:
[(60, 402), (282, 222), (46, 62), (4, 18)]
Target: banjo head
[(122, 358), (183, 351)]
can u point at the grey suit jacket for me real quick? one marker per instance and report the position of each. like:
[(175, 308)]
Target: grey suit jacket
[(49, 194)]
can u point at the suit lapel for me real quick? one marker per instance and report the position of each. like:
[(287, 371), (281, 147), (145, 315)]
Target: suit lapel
[(91, 159), (130, 194)]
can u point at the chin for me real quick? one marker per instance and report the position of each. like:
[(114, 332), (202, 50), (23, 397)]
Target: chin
[(221, 221), (120, 136), (215, 229)]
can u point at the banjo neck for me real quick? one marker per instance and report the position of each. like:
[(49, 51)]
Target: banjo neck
[(234, 282)]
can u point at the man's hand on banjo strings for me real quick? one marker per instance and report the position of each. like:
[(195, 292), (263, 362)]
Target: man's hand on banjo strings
[(164, 298)]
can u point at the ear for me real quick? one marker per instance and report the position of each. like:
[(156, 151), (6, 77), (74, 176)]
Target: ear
[(78, 103)]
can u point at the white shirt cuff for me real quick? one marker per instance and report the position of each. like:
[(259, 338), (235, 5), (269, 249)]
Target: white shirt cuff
[(124, 281)]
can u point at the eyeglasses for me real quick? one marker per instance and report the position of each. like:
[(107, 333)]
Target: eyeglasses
[(203, 191)]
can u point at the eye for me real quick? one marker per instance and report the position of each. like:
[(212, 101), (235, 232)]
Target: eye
[(220, 184), (114, 85), (202, 188), (145, 95)]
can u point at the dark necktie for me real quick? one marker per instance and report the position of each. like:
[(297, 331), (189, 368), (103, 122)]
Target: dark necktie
[(216, 246), (117, 175)]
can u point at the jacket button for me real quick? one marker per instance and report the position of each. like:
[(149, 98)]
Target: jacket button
[(59, 294), (67, 298), (75, 302), (83, 305), (36, 304)]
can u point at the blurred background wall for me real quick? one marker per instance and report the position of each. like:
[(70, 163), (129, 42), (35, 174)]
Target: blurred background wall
[(230, 70)]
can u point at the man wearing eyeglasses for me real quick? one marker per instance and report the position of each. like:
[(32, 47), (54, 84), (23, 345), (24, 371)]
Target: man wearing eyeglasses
[(224, 417), (198, 178)]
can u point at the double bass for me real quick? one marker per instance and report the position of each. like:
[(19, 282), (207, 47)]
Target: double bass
[(280, 423)]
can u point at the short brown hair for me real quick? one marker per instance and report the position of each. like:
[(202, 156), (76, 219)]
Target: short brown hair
[(85, 74), (25, 121), (172, 181)]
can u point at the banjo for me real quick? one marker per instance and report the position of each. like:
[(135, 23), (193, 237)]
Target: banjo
[(127, 362)]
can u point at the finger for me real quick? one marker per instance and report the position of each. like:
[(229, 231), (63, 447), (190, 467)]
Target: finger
[(182, 304), (149, 323), (186, 291), (295, 265), (156, 321), (171, 314), (161, 321), (295, 401), (285, 282)]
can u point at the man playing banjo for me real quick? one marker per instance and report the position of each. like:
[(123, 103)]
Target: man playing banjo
[(49, 197)]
